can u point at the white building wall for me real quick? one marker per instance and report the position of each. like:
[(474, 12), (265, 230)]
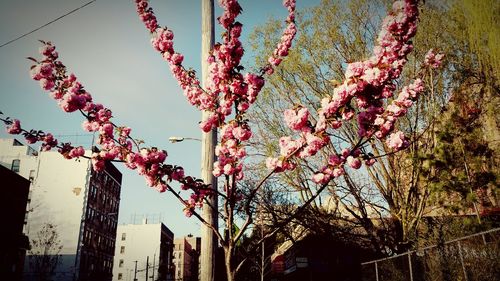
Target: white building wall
[(58, 193), (9, 152), (140, 241), (57, 196)]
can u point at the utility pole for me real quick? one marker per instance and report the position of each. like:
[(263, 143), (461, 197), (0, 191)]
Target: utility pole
[(135, 271), (208, 143), (147, 267), (154, 259)]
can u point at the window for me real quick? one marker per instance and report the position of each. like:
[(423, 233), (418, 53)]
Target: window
[(15, 165), (120, 264), (122, 249), (120, 276), (124, 236)]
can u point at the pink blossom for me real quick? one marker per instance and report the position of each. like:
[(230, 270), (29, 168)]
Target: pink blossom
[(217, 171), (46, 70), (228, 169), (177, 58), (321, 178), (30, 138), (156, 156), (274, 61), (57, 95), (48, 142), (72, 102), (231, 143), (161, 187), (335, 160), (178, 174), (279, 164), (370, 162), (14, 128), (242, 107), (337, 172), (321, 124), (354, 69), (239, 174), (106, 130), (77, 152), (397, 141), (188, 212), (46, 49), (314, 144), (47, 84), (432, 59), (287, 145), (125, 131), (354, 163), (345, 153), (296, 119), (210, 123), (240, 153), (242, 134), (90, 126), (97, 162)]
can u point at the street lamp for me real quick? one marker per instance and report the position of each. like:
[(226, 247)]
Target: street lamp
[(179, 139)]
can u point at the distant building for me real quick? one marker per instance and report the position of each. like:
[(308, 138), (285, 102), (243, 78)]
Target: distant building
[(68, 198), (182, 259), (143, 251), (187, 258), (317, 257), (13, 243), (195, 243)]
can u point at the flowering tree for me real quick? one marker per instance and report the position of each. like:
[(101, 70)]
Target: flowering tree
[(228, 96), (381, 203)]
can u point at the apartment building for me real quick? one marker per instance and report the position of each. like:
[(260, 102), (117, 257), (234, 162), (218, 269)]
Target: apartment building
[(143, 252), (72, 213)]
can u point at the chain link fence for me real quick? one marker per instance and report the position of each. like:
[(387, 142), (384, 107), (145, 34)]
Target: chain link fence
[(469, 258)]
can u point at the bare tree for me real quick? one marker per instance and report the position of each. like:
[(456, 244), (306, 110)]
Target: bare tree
[(44, 255)]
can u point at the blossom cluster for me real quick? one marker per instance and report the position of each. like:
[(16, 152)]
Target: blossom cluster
[(432, 59), (48, 141), (236, 90), (162, 41), (227, 90), (114, 141), (286, 40), (226, 87), (367, 84)]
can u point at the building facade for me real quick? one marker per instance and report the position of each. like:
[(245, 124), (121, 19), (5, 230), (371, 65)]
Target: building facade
[(72, 213), (195, 243), (187, 258), (143, 252), (13, 243)]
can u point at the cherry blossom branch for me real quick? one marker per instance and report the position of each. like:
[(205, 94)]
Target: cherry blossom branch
[(13, 126), (227, 88), (188, 206), (368, 83), (115, 141)]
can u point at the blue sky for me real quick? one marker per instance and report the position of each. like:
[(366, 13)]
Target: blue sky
[(108, 49)]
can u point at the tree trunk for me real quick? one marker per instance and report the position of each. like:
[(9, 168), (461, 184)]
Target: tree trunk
[(228, 261)]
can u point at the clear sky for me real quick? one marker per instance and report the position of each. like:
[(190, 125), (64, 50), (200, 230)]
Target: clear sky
[(108, 48)]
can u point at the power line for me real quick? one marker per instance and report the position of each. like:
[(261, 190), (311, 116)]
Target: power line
[(50, 22)]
